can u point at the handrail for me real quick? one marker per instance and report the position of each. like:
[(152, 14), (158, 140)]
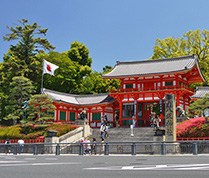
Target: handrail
[(192, 138), (145, 89)]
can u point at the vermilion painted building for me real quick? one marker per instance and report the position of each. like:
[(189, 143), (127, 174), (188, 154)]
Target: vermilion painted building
[(144, 85), (70, 106)]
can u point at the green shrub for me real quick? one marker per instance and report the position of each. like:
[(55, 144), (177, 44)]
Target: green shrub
[(30, 131)]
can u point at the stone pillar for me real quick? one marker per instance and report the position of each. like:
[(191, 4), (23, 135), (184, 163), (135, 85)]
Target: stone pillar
[(170, 117), (50, 140), (170, 124)]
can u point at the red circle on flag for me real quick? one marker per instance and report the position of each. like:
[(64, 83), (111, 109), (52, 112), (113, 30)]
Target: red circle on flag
[(48, 68)]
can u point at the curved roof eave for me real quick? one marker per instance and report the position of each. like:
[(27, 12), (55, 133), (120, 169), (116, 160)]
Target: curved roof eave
[(153, 67), (198, 66), (83, 104), (141, 75)]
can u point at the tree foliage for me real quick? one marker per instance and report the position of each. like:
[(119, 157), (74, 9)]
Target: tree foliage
[(68, 77), (20, 89), (24, 60), (21, 58), (193, 42), (78, 52), (40, 107), (199, 106), (94, 83)]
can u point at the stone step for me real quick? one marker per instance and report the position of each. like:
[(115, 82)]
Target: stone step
[(124, 134)]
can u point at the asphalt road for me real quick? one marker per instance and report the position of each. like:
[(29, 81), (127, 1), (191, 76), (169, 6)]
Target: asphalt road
[(42, 166)]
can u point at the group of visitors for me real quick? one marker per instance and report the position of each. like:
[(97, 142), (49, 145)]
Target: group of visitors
[(104, 127), (104, 130), (91, 148), (155, 121)]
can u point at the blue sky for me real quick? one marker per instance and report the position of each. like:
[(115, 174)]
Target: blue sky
[(112, 30)]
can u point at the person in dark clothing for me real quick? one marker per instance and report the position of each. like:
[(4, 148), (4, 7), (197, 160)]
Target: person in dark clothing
[(94, 147), (7, 146)]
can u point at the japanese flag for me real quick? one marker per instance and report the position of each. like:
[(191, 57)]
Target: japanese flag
[(49, 68)]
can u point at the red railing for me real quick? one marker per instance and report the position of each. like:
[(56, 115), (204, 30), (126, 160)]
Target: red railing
[(192, 138), (151, 89), (41, 140)]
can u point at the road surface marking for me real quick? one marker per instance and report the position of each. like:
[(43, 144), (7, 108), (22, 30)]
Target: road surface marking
[(30, 158), (51, 159), (176, 167)]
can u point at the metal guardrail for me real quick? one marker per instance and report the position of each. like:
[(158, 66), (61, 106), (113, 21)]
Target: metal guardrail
[(106, 148)]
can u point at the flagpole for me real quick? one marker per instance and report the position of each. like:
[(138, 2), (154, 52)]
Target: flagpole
[(42, 79)]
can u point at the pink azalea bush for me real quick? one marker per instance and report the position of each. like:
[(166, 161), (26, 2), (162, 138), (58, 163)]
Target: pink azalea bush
[(196, 127)]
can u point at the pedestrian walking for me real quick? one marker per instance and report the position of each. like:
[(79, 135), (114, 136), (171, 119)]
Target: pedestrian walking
[(21, 144), (94, 147), (106, 130), (151, 120), (7, 147), (88, 146), (134, 121), (102, 146), (102, 129)]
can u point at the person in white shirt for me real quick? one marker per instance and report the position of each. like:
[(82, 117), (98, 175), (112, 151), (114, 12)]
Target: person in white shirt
[(21, 144)]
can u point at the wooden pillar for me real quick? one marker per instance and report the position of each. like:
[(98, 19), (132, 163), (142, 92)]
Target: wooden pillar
[(68, 114), (58, 111), (103, 110), (177, 81), (121, 112), (89, 116), (177, 98), (113, 116), (184, 103), (136, 84), (122, 84), (161, 81)]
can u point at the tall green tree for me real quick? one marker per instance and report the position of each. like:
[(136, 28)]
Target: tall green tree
[(21, 59), (20, 89), (40, 107), (72, 71), (192, 42), (94, 83), (79, 52)]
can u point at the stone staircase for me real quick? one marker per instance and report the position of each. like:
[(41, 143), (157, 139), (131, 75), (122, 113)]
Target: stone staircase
[(124, 134)]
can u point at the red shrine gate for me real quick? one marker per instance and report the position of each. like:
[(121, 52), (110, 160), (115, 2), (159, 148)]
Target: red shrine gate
[(144, 85)]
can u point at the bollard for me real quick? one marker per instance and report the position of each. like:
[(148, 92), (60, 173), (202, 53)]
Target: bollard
[(58, 149), (132, 131), (195, 150), (15, 150), (35, 150), (106, 149), (81, 149), (133, 148), (163, 148)]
